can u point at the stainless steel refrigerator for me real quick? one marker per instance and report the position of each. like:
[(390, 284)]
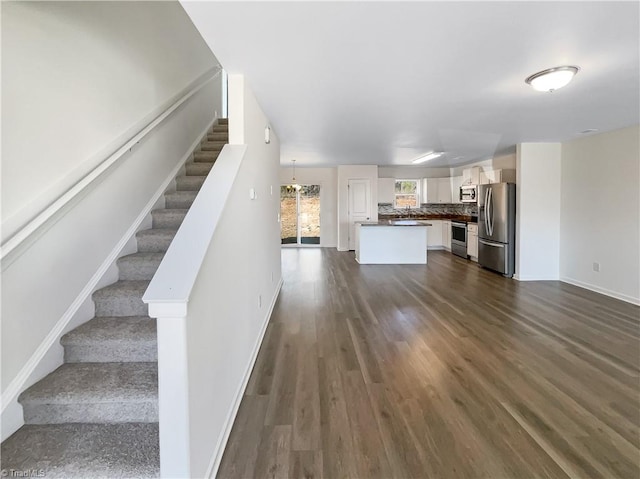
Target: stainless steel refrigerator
[(497, 227)]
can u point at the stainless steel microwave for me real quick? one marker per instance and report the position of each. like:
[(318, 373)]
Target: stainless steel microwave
[(469, 194)]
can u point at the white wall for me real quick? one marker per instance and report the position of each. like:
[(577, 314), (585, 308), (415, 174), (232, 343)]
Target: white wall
[(345, 173), (600, 213), (78, 80), (538, 211), (47, 281), (327, 178)]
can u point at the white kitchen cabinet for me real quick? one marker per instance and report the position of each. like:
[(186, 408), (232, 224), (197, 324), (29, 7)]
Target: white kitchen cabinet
[(437, 190), (386, 190), (446, 234), (490, 177), (434, 234), (456, 183), (471, 176), (472, 241), (431, 187), (444, 190)]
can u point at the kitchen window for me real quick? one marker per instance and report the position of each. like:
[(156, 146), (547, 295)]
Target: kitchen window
[(407, 194)]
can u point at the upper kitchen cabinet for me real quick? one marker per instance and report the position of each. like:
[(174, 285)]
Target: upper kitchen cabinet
[(386, 189), (497, 176), (456, 183), (430, 190), (444, 190), (436, 190), (490, 176), (471, 176)]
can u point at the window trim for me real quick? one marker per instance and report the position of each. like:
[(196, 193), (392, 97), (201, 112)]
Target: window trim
[(417, 193)]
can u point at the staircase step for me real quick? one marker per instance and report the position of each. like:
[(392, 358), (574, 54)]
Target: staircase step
[(223, 121), (198, 169), (123, 298), (205, 156), (102, 340), (179, 199), (85, 450), (218, 136), (189, 183), (212, 145), (139, 266), (155, 240), (220, 128), (168, 218), (94, 393)]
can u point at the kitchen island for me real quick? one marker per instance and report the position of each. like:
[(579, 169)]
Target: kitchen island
[(392, 242)]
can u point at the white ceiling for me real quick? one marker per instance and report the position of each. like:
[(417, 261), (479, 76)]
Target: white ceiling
[(383, 82)]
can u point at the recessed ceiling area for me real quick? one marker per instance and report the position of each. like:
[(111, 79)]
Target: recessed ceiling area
[(386, 82)]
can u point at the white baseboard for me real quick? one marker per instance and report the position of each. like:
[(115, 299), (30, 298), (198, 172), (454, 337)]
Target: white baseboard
[(218, 451), (535, 278), (25, 376), (598, 289)]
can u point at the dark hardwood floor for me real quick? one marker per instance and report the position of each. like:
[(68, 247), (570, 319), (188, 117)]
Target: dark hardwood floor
[(438, 371)]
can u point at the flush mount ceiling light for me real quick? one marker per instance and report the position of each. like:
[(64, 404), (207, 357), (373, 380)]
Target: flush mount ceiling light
[(429, 156), (552, 79)]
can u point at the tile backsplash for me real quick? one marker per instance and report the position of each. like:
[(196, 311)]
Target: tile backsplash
[(466, 209)]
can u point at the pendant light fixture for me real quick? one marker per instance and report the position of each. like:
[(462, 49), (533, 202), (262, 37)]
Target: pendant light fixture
[(552, 79), (293, 186)]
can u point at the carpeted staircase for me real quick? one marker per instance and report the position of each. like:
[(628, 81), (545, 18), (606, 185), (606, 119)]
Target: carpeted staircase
[(97, 414)]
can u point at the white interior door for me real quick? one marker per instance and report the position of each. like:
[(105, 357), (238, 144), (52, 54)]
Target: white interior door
[(359, 206)]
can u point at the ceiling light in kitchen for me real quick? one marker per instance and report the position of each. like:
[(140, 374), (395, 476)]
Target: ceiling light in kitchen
[(429, 156), (293, 186), (552, 79)]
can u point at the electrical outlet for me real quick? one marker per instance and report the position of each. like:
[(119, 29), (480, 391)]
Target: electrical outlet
[(596, 267), (271, 190), (260, 301)]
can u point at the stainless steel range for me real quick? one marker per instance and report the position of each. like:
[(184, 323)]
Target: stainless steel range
[(459, 238)]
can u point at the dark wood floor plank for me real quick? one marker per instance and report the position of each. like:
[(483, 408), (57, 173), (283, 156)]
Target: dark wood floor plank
[(338, 454), (441, 371), (274, 453), (240, 456), (370, 458), (306, 465), (306, 410)]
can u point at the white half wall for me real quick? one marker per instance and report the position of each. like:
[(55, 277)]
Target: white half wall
[(214, 292), (327, 178), (346, 173), (538, 167), (78, 80), (600, 213)]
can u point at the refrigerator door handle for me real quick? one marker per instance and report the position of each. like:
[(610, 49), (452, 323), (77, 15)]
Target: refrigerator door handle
[(490, 210), (488, 243), (486, 211)]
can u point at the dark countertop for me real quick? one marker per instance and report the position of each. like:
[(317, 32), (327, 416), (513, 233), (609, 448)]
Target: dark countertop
[(467, 219), (395, 222)]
